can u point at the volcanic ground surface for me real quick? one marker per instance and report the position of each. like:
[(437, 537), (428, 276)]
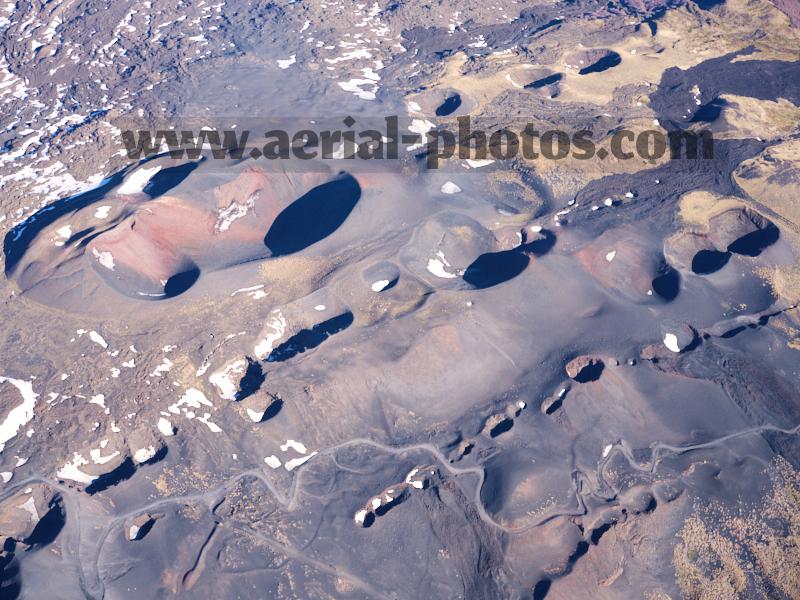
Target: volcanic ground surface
[(338, 378)]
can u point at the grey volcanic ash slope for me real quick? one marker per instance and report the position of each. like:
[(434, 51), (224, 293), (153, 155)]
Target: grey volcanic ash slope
[(548, 379)]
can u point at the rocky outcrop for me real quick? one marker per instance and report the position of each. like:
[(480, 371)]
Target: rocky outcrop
[(238, 379), (33, 516), (146, 446), (585, 368), (677, 336), (417, 479), (140, 526)]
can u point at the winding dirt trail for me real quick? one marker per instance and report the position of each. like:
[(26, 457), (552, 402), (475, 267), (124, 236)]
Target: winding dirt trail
[(92, 584)]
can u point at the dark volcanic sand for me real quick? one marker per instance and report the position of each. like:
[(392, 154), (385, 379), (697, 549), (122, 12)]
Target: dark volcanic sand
[(334, 379)]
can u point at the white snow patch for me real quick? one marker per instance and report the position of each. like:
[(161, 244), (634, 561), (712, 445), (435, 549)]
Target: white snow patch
[(255, 415), (193, 398), (142, 455), (226, 216), (671, 342), (610, 256), (248, 289), (71, 471), (380, 285), (165, 427), (212, 426), (276, 329), (63, 234), (272, 461), (102, 212), (202, 370), (106, 259), (287, 62), (296, 462), (477, 164), (164, 367), (97, 458), (512, 82), (450, 188), (97, 339), (354, 86), (297, 446), (136, 182), (436, 266), (18, 416), (29, 506), (227, 380)]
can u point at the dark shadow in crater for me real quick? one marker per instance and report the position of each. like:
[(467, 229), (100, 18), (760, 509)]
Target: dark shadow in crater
[(590, 372), (541, 246), (308, 339), (493, 268), (47, 530), (754, 243), (553, 406), (449, 106), (549, 80), (273, 409), (145, 529), (10, 579), (19, 237), (179, 283), (540, 589), (708, 112), (610, 60), (107, 480), (502, 427), (598, 532), (667, 285), (254, 376), (387, 506), (706, 262), (313, 216), (158, 456), (581, 549), (391, 284), (166, 179), (708, 4)]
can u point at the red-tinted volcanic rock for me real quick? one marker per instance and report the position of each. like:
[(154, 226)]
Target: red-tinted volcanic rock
[(623, 262), (147, 244), (162, 246)]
